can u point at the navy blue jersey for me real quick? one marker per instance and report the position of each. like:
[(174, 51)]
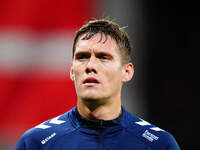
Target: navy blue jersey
[(71, 131)]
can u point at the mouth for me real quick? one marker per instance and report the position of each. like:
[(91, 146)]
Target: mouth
[(91, 81)]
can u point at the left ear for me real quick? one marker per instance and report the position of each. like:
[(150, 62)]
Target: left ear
[(128, 71)]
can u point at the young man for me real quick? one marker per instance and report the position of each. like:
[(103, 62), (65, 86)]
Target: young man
[(101, 65)]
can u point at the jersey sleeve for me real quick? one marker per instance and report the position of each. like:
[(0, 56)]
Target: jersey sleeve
[(26, 142), (155, 137), (20, 144), (172, 144)]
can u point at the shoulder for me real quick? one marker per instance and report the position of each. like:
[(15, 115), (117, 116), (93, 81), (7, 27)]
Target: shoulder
[(151, 135), (46, 131)]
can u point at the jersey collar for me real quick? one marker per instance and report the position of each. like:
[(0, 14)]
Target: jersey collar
[(78, 120)]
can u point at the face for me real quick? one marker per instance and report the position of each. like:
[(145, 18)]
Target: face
[(97, 70)]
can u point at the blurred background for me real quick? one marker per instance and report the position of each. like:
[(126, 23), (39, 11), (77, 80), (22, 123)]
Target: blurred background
[(36, 40)]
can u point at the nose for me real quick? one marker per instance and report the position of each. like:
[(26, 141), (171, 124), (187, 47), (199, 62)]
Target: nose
[(91, 66)]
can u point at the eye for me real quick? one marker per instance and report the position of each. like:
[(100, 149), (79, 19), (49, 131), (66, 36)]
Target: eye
[(82, 56), (104, 57)]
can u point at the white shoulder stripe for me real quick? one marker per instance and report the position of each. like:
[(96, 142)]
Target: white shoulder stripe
[(42, 126), (156, 129), (143, 123), (52, 121), (56, 121)]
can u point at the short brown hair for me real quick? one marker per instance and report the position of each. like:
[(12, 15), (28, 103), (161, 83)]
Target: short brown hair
[(110, 28)]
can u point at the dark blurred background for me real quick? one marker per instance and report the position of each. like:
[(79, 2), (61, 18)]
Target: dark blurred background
[(173, 75), (35, 53)]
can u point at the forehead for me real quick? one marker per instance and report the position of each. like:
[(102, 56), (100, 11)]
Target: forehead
[(98, 43)]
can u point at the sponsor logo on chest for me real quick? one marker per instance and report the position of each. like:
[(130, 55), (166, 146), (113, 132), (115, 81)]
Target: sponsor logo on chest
[(48, 138), (149, 136)]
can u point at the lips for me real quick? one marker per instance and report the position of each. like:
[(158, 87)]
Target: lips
[(90, 81)]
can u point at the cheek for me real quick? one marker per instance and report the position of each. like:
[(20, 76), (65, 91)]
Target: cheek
[(113, 73), (77, 72)]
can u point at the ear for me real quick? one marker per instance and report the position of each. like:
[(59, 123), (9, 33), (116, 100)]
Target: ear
[(128, 72), (72, 73)]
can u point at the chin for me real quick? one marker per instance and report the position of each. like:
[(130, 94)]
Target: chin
[(91, 94), (90, 98)]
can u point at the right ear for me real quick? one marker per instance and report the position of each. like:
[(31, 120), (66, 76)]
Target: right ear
[(72, 73)]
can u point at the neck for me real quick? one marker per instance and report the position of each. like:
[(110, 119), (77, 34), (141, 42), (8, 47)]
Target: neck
[(92, 109)]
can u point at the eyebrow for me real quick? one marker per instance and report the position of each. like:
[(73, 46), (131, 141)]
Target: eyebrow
[(104, 53), (89, 53)]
